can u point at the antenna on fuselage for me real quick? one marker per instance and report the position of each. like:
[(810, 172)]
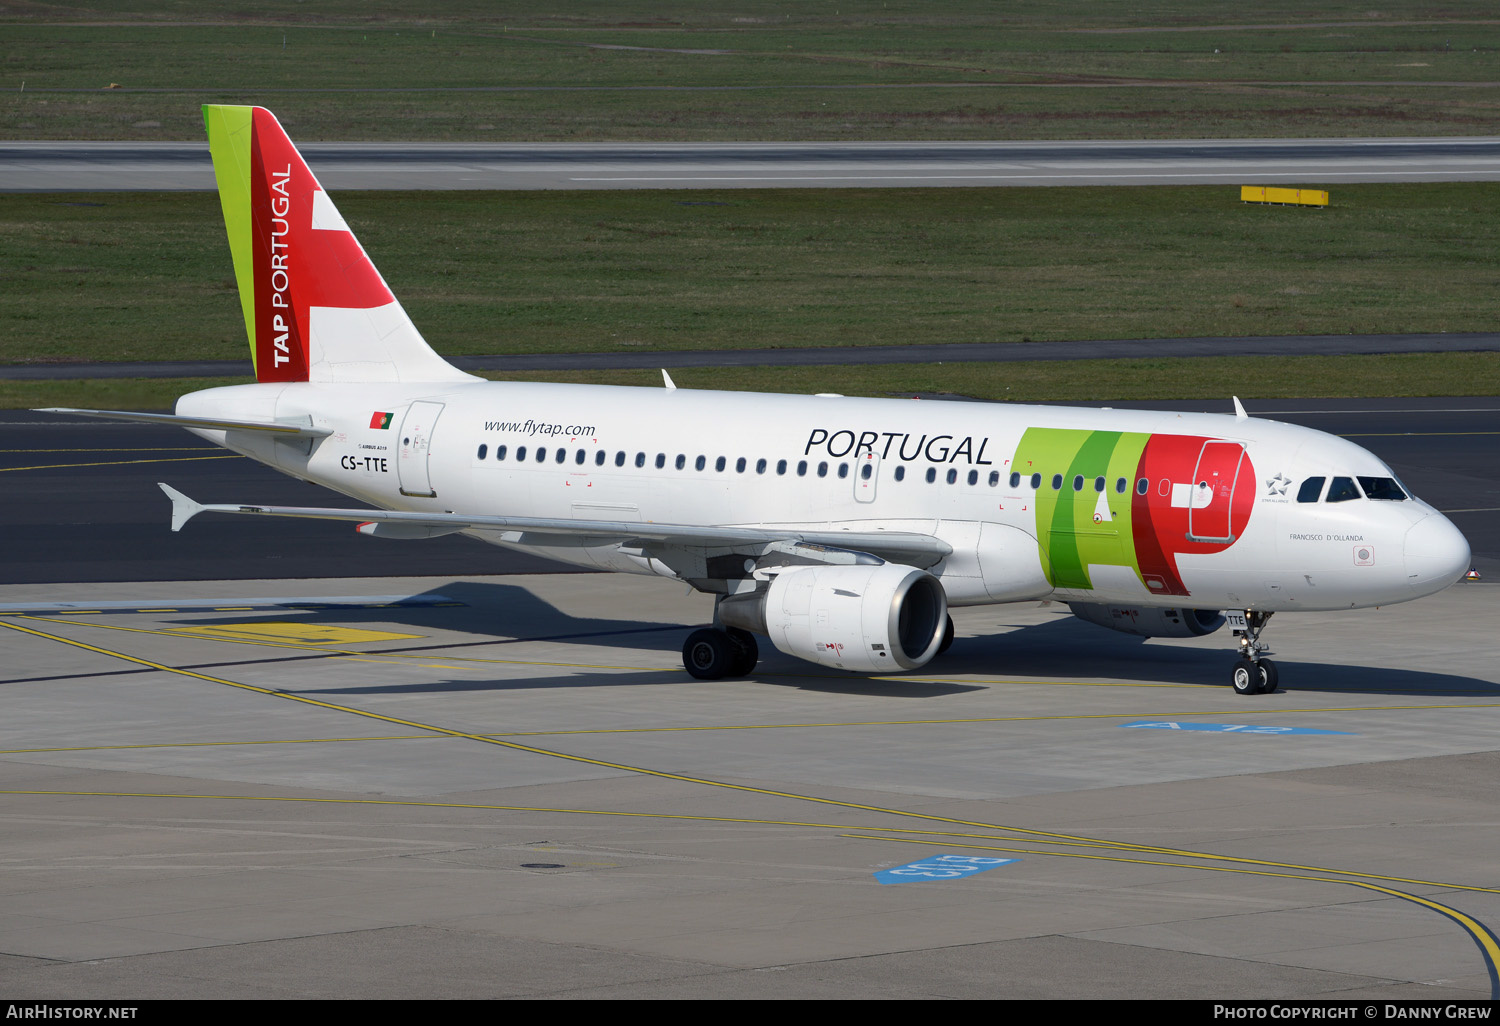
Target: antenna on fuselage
[(666, 379), (1239, 411)]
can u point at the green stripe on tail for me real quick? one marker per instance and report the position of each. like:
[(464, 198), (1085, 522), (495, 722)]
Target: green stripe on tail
[(229, 139)]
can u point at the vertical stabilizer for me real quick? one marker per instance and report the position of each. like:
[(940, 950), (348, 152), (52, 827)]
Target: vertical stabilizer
[(315, 307)]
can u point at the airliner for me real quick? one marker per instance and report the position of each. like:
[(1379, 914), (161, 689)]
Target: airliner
[(839, 529)]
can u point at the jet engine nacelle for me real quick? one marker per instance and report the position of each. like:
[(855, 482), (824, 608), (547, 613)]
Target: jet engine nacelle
[(1149, 622), (862, 618)]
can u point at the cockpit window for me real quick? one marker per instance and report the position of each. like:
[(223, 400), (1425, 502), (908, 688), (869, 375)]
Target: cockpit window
[(1310, 490), (1382, 488), (1342, 490)]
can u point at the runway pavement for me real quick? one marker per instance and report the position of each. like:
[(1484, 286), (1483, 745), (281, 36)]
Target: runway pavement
[(115, 166), (488, 787)]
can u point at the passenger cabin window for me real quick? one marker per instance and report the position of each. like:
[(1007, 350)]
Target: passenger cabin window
[(1098, 484), (823, 469), (661, 460), (994, 478), (1057, 482), (1120, 486), (1078, 483), (599, 458), (801, 468), (620, 458), (520, 453), (1342, 489), (681, 461), (1036, 481), (580, 457), (640, 459), (541, 453), (843, 470), (1015, 479), (952, 475), (866, 471), (499, 452), (931, 474), (900, 474), (562, 454), (700, 462), (781, 466), (760, 466), (1142, 486), (1384, 488), (739, 465), (483, 450)]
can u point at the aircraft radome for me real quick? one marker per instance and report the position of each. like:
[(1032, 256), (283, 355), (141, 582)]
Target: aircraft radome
[(841, 529)]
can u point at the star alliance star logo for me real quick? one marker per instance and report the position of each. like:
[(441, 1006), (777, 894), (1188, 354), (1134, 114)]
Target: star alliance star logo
[(1277, 485)]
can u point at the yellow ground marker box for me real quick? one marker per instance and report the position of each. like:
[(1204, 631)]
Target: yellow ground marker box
[(303, 633), (1294, 197)]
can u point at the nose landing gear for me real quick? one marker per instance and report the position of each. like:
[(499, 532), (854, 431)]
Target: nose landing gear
[(1253, 673)]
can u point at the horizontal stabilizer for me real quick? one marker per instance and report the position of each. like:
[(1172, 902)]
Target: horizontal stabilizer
[(917, 549), (183, 508), (211, 423)]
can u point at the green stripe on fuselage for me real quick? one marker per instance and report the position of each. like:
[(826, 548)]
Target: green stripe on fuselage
[(1070, 537), (229, 133)]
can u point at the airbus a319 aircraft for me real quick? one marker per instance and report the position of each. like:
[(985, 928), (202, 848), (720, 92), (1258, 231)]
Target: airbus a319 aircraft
[(841, 529)]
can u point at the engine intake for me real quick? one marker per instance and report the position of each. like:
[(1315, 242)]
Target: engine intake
[(1150, 622), (863, 618)]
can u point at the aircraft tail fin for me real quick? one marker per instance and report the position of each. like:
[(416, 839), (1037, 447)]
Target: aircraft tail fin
[(315, 307)]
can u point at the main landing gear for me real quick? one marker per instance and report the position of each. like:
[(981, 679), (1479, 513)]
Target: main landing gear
[(1253, 673), (713, 654)]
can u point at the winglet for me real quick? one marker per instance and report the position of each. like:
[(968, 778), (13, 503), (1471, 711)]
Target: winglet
[(183, 508), (1239, 411), (666, 379)]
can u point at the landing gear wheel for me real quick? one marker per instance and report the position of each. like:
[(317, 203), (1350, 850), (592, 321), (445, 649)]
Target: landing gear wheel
[(947, 641), (708, 654), (1268, 676), (746, 652), (1254, 677)]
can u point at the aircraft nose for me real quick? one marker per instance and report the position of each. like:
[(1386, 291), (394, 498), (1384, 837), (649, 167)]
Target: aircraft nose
[(1436, 551)]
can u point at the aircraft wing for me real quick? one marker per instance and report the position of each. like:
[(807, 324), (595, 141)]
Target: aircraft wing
[(896, 546), (273, 427)]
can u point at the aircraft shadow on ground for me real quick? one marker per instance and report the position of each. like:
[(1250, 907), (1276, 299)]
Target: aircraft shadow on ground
[(1065, 649), (498, 614), (1062, 649)]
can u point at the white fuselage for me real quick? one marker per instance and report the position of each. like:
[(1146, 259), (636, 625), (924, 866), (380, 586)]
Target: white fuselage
[(962, 472)]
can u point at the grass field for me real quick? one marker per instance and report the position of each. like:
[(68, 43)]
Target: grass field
[(466, 69), (1210, 379), (146, 276), (142, 276)]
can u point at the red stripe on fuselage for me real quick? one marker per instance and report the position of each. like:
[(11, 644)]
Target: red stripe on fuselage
[(1159, 529)]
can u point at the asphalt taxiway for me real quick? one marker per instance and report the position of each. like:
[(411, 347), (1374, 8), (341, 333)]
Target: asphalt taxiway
[(413, 778), (51, 166), (486, 787)]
